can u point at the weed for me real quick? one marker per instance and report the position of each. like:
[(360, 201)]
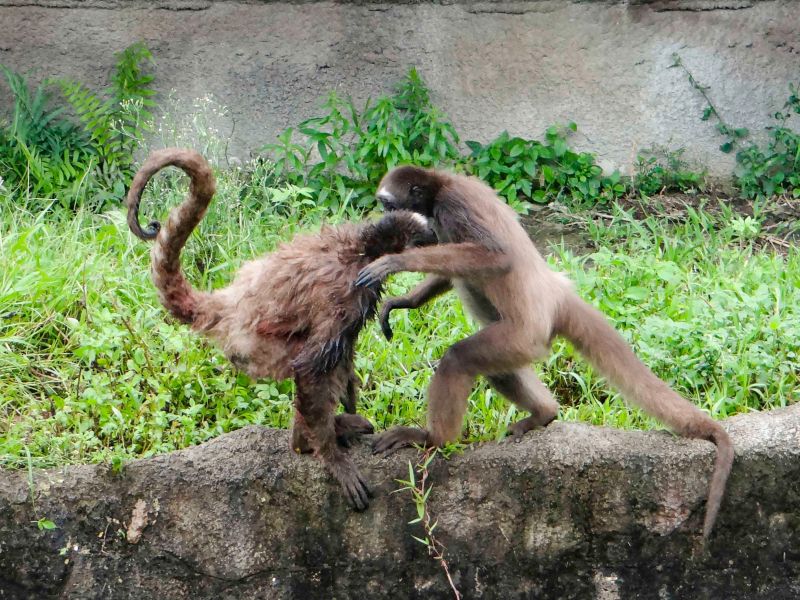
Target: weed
[(761, 170), (660, 170), (420, 491), (45, 524), (345, 151)]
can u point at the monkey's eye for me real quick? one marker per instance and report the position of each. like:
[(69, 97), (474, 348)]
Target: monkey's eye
[(415, 189)]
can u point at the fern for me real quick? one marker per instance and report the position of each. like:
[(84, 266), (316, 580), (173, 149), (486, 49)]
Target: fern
[(129, 84), (83, 158), (116, 120)]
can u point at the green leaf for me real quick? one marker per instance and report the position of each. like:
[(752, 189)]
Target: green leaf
[(45, 524), (637, 293), (726, 147), (529, 166)]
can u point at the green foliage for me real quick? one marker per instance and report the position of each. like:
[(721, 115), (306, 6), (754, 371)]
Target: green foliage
[(420, 490), (520, 169), (45, 524), (116, 120), (344, 152), (41, 152), (773, 169), (90, 369), (761, 170), (661, 170), (46, 156)]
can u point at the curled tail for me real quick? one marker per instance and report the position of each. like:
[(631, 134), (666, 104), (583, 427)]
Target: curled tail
[(606, 350), (175, 293)]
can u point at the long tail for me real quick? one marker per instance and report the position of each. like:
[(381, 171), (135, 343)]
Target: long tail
[(177, 296), (610, 354)]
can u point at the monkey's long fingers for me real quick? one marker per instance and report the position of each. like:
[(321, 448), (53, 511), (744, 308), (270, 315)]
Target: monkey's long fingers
[(367, 278)]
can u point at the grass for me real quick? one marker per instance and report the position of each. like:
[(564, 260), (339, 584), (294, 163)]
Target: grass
[(90, 370)]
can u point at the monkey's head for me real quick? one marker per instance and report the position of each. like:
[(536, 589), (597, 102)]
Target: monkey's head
[(410, 188), (396, 231)]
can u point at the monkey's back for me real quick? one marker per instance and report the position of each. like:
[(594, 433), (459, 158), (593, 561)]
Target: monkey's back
[(302, 290)]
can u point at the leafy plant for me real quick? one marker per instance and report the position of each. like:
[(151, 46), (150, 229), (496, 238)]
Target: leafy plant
[(45, 524), (761, 171), (420, 491), (41, 152), (520, 169), (117, 119), (774, 168), (662, 170), (343, 152), (47, 157)]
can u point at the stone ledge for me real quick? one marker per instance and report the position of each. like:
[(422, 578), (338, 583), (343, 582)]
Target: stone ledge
[(572, 511)]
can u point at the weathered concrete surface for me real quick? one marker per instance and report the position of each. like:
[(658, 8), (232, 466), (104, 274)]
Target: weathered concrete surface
[(571, 512), (492, 65)]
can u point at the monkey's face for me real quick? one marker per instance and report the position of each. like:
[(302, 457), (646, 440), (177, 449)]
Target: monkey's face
[(409, 188), (398, 230)]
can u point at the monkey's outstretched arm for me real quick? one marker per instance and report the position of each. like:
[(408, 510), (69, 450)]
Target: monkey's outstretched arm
[(432, 286), (462, 260)]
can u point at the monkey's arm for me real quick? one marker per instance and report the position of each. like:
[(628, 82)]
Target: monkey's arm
[(463, 260), (432, 286)]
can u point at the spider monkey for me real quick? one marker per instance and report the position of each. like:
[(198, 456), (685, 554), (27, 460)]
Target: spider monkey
[(485, 254), (291, 313)]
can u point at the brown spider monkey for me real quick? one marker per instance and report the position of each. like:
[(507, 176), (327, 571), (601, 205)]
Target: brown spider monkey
[(485, 254), (291, 313)]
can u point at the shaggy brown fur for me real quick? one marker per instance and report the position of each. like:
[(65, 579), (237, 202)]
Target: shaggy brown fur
[(506, 284), (291, 313)]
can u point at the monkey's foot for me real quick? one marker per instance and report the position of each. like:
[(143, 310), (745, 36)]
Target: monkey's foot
[(399, 437), (523, 426), (355, 488), (349, 427)]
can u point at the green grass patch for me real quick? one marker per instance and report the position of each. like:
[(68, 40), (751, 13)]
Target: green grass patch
[(90, 369)]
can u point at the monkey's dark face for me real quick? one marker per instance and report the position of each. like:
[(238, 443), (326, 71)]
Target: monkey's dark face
[(399, 230), (409, 188)]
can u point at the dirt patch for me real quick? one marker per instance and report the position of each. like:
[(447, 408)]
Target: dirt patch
[(779, 230)]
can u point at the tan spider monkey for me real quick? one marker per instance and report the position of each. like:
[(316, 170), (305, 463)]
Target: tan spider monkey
[(485, 254)]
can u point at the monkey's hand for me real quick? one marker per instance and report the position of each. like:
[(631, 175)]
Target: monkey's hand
[(388, 306), (375, 272), (399, 437)]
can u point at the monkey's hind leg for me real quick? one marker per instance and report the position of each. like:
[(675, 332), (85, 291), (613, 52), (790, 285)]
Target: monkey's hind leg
[(487, 352), (525, 389), (315, 401)]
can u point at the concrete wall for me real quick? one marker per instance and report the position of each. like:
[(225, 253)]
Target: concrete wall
[(492, 65), (570, 512)]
